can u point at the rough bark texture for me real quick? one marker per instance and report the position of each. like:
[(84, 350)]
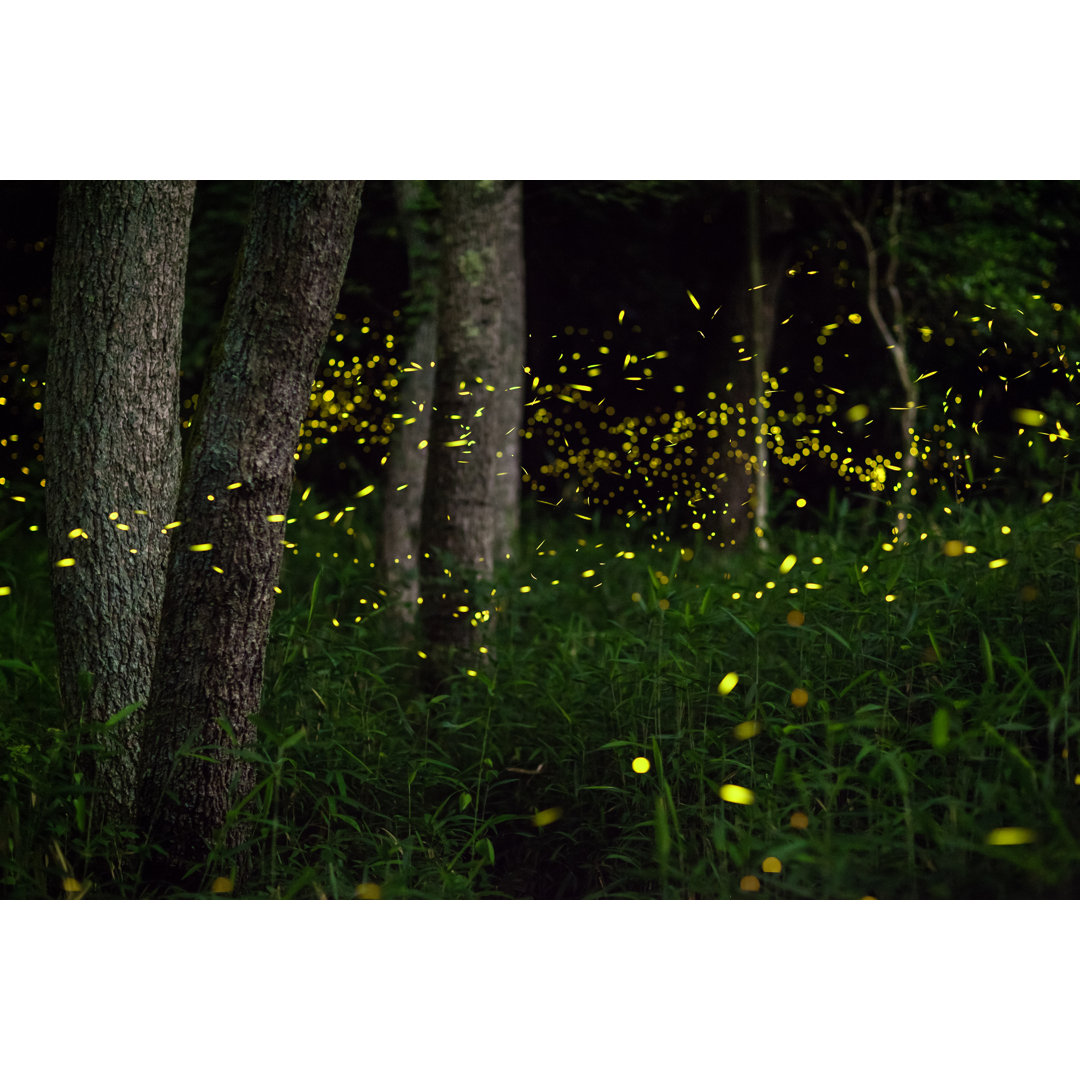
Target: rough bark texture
[(226, 551), (112, 453), (418, 215), (509, 401), (479, 299)]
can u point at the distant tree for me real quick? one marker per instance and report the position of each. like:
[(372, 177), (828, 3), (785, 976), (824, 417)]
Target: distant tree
[(467, 506), (227, 548), (418, 213), (112, 454), (768, 225)]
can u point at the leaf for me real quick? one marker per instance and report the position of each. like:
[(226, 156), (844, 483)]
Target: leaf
[(123, 714)]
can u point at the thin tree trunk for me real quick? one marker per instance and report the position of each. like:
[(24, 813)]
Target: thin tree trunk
[(418, 214), (894, 334), (226, 551), (761, 343), (460, 521), (112, 454)]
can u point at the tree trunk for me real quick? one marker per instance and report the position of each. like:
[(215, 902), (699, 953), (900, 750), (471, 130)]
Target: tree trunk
[(479, 283), (112, 454), (744, 483), (509, 400), (894, 335), (226, 551), (767, 220), (418, 214)]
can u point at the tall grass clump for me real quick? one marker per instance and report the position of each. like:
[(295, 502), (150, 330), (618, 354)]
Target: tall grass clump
[(845, 714)]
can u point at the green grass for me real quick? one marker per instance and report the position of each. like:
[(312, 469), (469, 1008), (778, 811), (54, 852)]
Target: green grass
[(941, 705)]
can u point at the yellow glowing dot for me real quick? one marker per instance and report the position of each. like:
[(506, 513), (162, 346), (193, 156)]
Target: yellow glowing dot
[(588, 573), (72, 885), (274, 518), (201, 547), (772, 865), (663, 605), (65, 562), (799, 820), (728, 683), (787, 564), (641, 764), (525, 588), (421, 654), (890, 597), (996, 564), (799, 697), (5, 590), (750, 884), (221, 885), (1028, 417), (795, 618), (747, 730), (734, 794), (80, 533), (1010, 836), (800, 503), (1047, 496), (546, 817), (365, 491), (368, 890), (953, 548)]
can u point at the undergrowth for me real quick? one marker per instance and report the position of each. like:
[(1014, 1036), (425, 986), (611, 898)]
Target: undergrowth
[(835, 717)]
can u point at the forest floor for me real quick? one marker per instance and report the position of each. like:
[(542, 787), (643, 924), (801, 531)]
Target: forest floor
[(839, 716)]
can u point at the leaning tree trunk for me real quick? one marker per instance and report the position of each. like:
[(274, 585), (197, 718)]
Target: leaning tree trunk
[(462, 506), (894, 334), (226, 551), (112, 454), (404, 481)]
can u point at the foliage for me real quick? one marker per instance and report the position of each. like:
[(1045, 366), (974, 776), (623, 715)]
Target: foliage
[(940, 708), (940, 682)]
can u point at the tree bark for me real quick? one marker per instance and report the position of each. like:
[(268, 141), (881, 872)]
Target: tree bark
[(509, 401), (767, 222), (226, 551), (112, 454), (894, 334), (405, 469), (464, 517), (744, 484)]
